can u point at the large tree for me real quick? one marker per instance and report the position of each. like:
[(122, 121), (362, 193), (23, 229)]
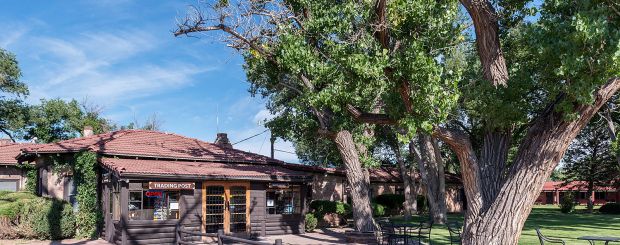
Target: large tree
[(55, 120), (590, 159), (315, 59), (12, 91)]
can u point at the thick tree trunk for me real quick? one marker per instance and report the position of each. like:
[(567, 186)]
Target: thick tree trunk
[(499, 220), (432, 173), (409, 185), (358, 180)]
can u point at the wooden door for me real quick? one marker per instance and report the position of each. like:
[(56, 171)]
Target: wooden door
[(225, 205)]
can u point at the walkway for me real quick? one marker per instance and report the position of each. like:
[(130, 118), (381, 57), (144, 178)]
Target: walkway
[(320, 236)]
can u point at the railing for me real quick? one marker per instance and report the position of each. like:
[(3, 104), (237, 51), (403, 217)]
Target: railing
[(221, 238)]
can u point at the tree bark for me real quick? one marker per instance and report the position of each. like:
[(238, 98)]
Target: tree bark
[(538, 154), (487, 40), (432, 174), (409, 185), (358, 179)]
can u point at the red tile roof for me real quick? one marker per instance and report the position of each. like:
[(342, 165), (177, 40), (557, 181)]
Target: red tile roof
[(571, 186), (216, 170), (152, 144), (8, 152)]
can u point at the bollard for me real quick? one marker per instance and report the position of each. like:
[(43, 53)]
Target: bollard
[(278, 242)]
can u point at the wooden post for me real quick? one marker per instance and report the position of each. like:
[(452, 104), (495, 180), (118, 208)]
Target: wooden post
[(124, 210), (220, 233), (278, 242), (273, 141)]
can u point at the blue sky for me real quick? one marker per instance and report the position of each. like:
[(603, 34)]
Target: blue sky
[(122, 56)]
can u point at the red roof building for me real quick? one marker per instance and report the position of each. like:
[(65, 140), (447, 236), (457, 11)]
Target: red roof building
[(554, 191)]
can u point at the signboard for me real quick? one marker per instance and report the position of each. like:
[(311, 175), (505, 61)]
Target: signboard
[(172, 185), (157, 194), (279, 185)]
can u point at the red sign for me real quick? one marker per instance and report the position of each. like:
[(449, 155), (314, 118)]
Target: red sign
[(153, 194)]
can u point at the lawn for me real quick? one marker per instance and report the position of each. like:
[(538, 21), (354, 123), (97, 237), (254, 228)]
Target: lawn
[(553, 223)]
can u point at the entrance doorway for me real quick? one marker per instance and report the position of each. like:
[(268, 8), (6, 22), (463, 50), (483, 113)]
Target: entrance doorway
[(225, 206)]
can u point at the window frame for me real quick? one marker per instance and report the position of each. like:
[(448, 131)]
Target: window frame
[(296, 199)]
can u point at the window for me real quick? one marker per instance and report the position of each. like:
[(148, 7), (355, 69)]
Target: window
[(153, 205), (283, 201), (582, 195), (8, 185), (600, 195)]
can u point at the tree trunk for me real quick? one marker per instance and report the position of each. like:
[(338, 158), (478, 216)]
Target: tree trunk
[(589, 196), (432, 172), (500, 220), (358, 180), (409, 185)]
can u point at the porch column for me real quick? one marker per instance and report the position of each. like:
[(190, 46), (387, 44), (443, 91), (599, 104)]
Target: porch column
[(556, 197)]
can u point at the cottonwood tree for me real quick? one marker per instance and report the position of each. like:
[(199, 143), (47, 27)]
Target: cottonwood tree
[(559, 70), (591, 160), (12, 92), (315, 59)]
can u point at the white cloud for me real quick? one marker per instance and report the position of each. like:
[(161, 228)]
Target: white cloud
[(262, 115), (101, 66)]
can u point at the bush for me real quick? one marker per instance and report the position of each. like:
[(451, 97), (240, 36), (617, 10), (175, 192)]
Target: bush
[(311, 222), (393, 203), (610, 208), (567, 204), (322, 207), (24, 215), (378, 209)]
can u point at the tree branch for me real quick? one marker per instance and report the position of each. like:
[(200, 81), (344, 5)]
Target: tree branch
[(487, 40), (8, 134), (371, 118)]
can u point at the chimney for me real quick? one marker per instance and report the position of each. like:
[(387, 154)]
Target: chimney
[(88, 131), (5, 142), (222, 140)]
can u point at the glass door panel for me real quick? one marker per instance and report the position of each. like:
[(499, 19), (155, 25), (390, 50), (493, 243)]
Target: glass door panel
[(226, 207), (237, 208), (215, 208)]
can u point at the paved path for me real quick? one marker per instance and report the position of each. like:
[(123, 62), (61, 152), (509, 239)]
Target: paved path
[(322, 236)]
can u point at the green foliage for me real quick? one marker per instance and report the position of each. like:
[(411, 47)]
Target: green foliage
[(55, 120), (378, 210), (591, 157), (322, 207), (310, 222), (12, 91), (88, 216), (610, 208), (31, 177), (35, 217), (393, 203), (567, 204)]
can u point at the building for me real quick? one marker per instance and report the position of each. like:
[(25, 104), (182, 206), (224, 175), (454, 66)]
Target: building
[(150, 181), (554, 191), (12, 177)]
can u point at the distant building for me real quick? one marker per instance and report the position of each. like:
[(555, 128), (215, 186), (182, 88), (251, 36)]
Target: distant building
[(554, 191), (12, 178)]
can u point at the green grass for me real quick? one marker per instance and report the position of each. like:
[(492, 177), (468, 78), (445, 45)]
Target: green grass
[(552, 222)]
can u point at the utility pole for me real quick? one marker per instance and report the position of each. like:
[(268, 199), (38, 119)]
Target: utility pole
[(273, 140)]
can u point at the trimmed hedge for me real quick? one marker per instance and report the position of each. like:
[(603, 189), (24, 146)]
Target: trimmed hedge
[(311, 222), (322, 207), (610, 208), (378, 210), (24, 215)]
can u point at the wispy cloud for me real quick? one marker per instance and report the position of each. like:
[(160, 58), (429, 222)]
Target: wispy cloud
[(100, 66)]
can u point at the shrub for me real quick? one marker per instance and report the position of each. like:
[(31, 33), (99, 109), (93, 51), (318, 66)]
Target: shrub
[(322, 207), (311, 222), (378, 209), (393, 203), (610, 208), (23, 215), (567, 204)]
